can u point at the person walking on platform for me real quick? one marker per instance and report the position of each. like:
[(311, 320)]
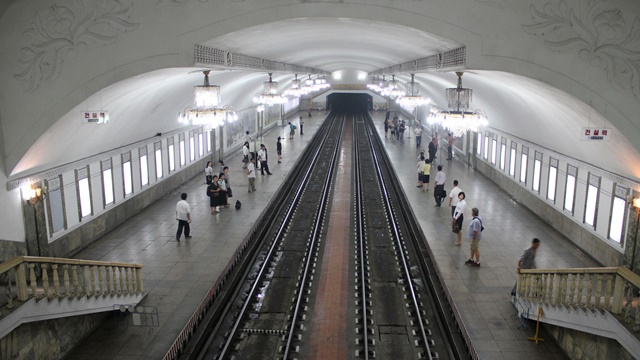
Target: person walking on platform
[(419, 168), (227, 178), (438, 191), (475, 235), (527, 261), (401, 129), (387, 115), (453, 196), (392, 127), (213, 191), (386, 128), (395, 118), (418, 133), (183, 215), (301, 126), (309, 111), (458, 216), (292, 130), (245, 155), (450, 146), (433, 149), (208, 172), (251, 175), (263, 157), (426, 173), (279, 149)]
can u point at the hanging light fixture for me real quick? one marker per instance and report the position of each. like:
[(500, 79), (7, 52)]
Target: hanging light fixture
[(413, 99), (208, 111), (458, 119), (392, 89), (309, 85), (296, 89), (269, 95)]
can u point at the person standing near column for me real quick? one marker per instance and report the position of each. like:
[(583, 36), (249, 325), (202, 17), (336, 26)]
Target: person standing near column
[(433, 149), (279, 149), (426, 174), (458, 216), (438, 191), (245, 155), (262, 155), (527, 260), (208, 172), (475, 235), (450, 146), (183, 215), (418, 132), (251, 175), (301, 126), (453, 196)]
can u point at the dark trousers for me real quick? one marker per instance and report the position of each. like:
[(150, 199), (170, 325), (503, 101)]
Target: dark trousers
[(264, 166), (183, 224), (450, 148), (418, 141), (437, 194), (301, 133)]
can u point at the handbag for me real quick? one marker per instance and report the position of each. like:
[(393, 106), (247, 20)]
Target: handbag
[(229, 192), (455, 228), (245, 159)]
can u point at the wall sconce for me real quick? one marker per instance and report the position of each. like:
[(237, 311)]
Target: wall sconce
[(33, 195), (636, 203)]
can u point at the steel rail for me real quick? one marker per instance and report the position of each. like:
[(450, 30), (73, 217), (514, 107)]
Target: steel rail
[(396, 235), (281, 230), (360, 225), (314, 237)]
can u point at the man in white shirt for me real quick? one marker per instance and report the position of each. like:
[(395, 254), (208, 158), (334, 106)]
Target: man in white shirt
[(251, 175), (245, 154), (183, 215), (453, 196), (263, 157), (438, 192), (418, 132)]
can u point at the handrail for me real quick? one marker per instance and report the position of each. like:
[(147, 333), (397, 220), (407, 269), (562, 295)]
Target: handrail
[(79, 278)]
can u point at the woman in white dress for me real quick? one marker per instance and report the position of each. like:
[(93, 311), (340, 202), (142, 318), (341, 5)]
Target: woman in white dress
[(458, 217)]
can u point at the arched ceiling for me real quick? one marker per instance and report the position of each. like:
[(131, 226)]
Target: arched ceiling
[(149, 103), (334, 43)]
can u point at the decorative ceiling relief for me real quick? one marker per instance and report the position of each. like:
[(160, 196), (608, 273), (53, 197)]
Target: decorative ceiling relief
[(66, 29), (602, 36)]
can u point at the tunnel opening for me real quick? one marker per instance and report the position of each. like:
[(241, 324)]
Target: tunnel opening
[(351, 102)]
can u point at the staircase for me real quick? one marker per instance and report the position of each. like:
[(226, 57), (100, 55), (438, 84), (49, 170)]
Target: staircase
[(43, 288), (599, 301)]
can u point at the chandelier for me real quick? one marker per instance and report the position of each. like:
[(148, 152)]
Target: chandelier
[(309, 85), (392, 89), (208, 111), (296, 89), (458, 119), (269, 95), (321, 83), (412, 100)]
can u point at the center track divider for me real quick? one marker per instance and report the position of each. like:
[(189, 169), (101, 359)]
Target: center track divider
[(449, 320), (226, 288)]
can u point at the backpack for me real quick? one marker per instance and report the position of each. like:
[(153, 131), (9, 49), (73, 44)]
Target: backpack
[(238, 204)]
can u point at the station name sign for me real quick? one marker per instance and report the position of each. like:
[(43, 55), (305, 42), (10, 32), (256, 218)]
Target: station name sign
[(94, 116), (595, 134)]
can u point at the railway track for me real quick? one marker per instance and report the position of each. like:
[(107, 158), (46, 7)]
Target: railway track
[(399, 311)]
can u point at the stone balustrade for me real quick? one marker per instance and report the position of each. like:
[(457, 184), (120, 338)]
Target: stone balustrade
[(26, 277), (612, 289)]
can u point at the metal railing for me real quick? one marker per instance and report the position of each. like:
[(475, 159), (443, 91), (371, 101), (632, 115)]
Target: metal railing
[(612, 289), (26, 277)]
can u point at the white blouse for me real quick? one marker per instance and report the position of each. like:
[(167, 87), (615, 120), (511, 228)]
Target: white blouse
[(208, 171), (459, 209)]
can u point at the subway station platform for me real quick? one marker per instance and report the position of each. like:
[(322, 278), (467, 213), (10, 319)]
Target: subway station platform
[(178, 275)]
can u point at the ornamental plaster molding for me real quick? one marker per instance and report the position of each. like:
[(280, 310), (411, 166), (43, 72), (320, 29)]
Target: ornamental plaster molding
[(66, 29), (602, 35)]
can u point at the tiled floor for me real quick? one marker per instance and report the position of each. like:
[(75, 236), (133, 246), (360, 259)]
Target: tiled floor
[(178, 275), (482, 294)]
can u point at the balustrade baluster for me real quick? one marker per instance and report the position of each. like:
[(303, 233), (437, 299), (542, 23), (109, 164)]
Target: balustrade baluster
[(129, 285), (85, 281), (107, 272), (56, 281), (575, 278), (74, 276), (92, 277), (65, 277), (618, 295), (21, 283), (543, 295), (45, 280), (33, 280), (100, 280), (140, 286), (608, 292), (527, 279), (551, 289), (628, 314), (590, 280), (7, 277), (598, 291), (122, 289), (580, 289), (114, 281), (563, 298)]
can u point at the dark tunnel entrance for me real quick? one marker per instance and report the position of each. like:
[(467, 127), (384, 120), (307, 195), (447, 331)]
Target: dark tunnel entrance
[(350, 102)]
